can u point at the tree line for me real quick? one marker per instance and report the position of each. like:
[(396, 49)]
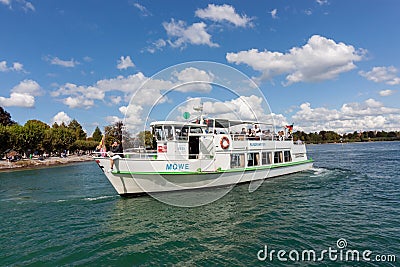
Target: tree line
[(333, 137), (37, 137)]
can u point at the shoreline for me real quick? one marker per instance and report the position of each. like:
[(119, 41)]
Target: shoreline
[(30, 164), (356, 142)]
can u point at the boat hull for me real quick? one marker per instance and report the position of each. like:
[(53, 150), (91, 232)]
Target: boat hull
[(133, 183)]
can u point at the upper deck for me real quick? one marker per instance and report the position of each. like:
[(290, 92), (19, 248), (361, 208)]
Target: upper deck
[(238, 130)]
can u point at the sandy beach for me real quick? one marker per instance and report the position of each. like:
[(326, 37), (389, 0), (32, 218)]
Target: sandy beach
[(35, 163)]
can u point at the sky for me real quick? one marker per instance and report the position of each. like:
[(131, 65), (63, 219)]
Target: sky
[(320, 64)]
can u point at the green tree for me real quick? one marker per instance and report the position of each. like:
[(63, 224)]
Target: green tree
[(84, 145), (97, 134), (381, 134), (62, 138), (5, 118), (34, 133), (4, 139), (77, 129), (113, 133), (18, 140), (146, 139), (47, 142)]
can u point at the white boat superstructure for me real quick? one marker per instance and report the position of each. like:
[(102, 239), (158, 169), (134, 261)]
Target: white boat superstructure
[(203, 154)]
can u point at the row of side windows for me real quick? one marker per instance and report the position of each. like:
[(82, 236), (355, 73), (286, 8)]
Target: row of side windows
[(238, 160)]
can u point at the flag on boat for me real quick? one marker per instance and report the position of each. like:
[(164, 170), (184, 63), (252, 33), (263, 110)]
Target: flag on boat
[(290, 128), (102, 146)]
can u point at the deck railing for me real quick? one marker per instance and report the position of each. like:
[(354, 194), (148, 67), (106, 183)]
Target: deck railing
[(271, 137), (150, 155)]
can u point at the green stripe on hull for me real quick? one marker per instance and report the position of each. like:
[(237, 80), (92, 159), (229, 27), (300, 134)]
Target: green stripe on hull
[(273, 166)]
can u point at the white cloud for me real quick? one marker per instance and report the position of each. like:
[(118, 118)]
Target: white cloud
[(274, 13), (368, 115), (386, 92), (28, 87), (182, 34), (386, 75), (78, 102), (18, 100), (84, 96), (61, 117), (87, 59), (113, 119), (16, 66), (90, 92), (242, 108), (308, 12), (193, 80), (143, 10), (322, 2), (157, 45), (22, 95), (223, 13), (3, 66), (115, 99), (133, 117), (63, 63), (5, 2), (125, 62), (320, 59), (25, 5)]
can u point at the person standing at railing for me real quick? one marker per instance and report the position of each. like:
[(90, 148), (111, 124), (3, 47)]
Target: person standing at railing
[(115, 153)]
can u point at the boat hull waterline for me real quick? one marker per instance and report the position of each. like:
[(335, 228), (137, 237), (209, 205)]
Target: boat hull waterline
[(127, 182)]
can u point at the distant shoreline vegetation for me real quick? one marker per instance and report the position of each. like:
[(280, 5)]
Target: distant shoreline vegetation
[(333, 137), (36, 138)]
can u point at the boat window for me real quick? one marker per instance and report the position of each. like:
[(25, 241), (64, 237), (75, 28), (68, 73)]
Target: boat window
[(278, 157), (287, 156), (266, 158), (168, 132), (159, 133), (237, 160), (181, 133), (253, 159), (196, 130)]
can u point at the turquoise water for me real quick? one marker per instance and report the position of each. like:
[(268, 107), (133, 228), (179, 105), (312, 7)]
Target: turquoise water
[(71, 216)]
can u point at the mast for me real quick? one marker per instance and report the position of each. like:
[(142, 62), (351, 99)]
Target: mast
[(200, 109)]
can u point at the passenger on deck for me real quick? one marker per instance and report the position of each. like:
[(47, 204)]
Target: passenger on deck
[(257, 132), (115, 153), (256, 129), (250, 133)]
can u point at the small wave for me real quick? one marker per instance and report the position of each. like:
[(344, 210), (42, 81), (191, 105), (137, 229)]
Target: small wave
[(318, 171), (98, 198)]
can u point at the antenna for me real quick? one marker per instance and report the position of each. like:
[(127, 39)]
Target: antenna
[(200, 109)]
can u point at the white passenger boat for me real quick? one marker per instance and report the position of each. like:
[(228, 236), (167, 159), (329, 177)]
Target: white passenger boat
[(203, 154)]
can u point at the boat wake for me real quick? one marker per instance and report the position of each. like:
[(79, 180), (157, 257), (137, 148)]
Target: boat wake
[(319, 172), (98, 198)]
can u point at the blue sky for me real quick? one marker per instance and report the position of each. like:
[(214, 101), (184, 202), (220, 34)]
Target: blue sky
[(322, 64)]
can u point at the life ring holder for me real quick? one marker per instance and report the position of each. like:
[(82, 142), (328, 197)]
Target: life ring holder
[(224, 142)]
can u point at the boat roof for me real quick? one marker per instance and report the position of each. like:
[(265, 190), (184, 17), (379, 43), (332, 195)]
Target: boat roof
[(225, 123), (177, 123), (219, 123)]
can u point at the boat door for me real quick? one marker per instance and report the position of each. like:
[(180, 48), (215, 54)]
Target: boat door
[(194, 147)]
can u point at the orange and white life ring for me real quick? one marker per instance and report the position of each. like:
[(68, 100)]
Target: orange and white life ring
[(224, 142)]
